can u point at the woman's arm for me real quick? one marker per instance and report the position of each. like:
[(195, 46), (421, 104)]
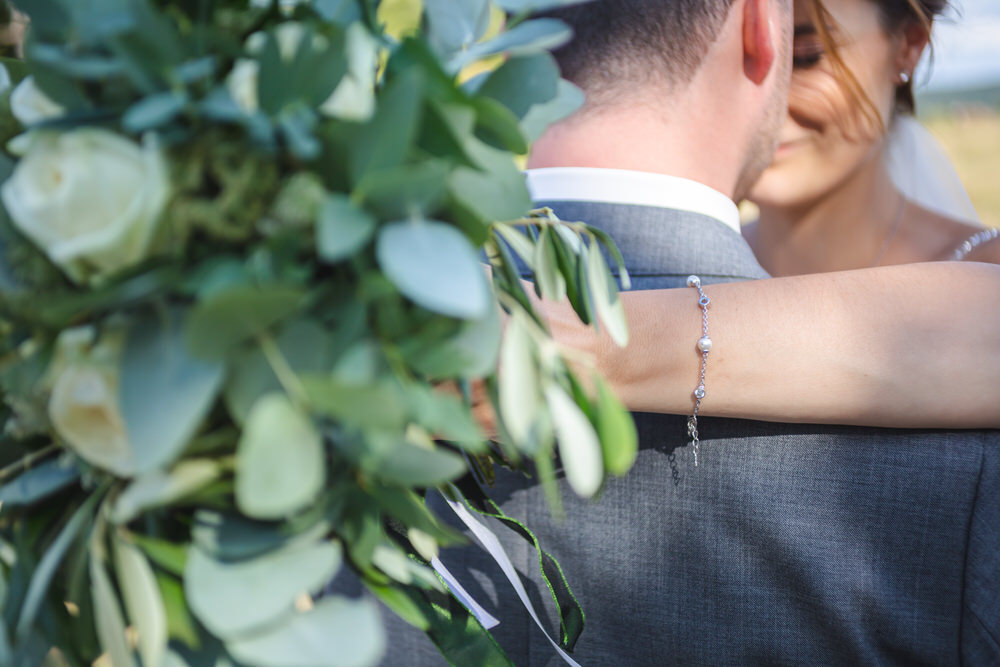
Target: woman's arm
[(915, 345)]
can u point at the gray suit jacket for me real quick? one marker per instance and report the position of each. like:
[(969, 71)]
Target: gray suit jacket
[(788, 545)]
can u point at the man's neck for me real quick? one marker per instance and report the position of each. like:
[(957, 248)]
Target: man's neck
[(638, 137)]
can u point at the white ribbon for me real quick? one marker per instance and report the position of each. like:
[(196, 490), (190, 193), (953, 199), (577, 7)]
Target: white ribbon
[(492, 545), (484, 617)]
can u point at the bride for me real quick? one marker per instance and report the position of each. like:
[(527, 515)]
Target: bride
[(856, 181)]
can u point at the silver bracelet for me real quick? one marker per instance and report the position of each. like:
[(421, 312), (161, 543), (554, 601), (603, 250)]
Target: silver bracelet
[(704, 347)]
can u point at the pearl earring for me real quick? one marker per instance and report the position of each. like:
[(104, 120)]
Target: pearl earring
[(904, 78)]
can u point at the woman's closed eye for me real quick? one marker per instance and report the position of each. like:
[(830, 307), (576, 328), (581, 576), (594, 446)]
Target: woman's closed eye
[(807, 48), (807, 59)]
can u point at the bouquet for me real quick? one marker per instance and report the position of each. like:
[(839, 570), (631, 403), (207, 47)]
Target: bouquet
[(253, 258)]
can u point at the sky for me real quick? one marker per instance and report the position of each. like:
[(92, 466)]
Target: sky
[(966, 47)]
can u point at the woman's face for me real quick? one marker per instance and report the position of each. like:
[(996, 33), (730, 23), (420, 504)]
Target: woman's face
[(827, 136)]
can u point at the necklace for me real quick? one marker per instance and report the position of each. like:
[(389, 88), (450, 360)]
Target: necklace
[(892, 232)]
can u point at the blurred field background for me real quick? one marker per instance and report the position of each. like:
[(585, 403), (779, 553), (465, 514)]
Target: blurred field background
[(971, 136)]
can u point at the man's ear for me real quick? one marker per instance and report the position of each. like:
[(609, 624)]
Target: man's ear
[(760, 39)]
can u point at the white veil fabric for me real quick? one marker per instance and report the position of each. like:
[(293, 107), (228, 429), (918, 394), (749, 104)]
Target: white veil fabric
[(924, 173)]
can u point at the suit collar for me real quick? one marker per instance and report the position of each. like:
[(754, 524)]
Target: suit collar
[(621, 186)]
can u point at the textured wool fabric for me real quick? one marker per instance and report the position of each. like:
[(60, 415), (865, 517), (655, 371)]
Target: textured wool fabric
[(788, 545)]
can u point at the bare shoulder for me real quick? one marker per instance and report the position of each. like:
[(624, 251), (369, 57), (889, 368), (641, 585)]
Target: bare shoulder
[(940, 237)]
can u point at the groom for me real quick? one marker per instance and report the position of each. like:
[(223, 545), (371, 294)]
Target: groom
[(790, 544)]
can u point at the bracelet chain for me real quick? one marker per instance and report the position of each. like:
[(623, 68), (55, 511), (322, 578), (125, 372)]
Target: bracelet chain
[(704, 347)]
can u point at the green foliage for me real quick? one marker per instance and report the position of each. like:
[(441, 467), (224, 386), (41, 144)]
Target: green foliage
[(195, 441)]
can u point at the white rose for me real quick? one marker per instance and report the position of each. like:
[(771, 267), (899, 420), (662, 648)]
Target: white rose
[(30, 105), (91, 199), (84, 405), (354, 97)]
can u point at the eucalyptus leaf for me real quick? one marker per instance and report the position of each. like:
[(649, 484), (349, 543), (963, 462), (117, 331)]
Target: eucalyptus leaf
[(180, 624), (447, 127), (402, 605), (228, 537), (162, 487), (280, 461), (297, 124), (568, 100), (497, 121), (343, 12), (360, 364), (493, 192), (519, 242), (616, 254), (579, 447), (519, 6), (606, 300), (306, 347), (619, 441), (143, 601), (197, 69), (153, 111), (6, 651), (169, 556), (90, 68), (231, 316), (393, 563), (377, 404), (406, 506), (528, 38), (454, 25), (343, 229), (520, 395), (548, 277), (233, 598), (448, 418), (415, 466), (336, 632), (471, 353), (164, 392), (523, 82), (425, 545), (108, 616), (405, 191), (38, 483), (433, 264), (385, 140), (42, 576), (566, 243)]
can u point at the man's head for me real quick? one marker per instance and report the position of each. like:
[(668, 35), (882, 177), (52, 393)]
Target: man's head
[(638, 42), (712, 70)]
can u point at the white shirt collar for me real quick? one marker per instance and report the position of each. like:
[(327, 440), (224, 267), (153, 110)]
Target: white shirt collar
[(622, 186)]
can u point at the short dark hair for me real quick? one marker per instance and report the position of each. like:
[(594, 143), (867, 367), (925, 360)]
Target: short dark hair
[(631, 40)]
